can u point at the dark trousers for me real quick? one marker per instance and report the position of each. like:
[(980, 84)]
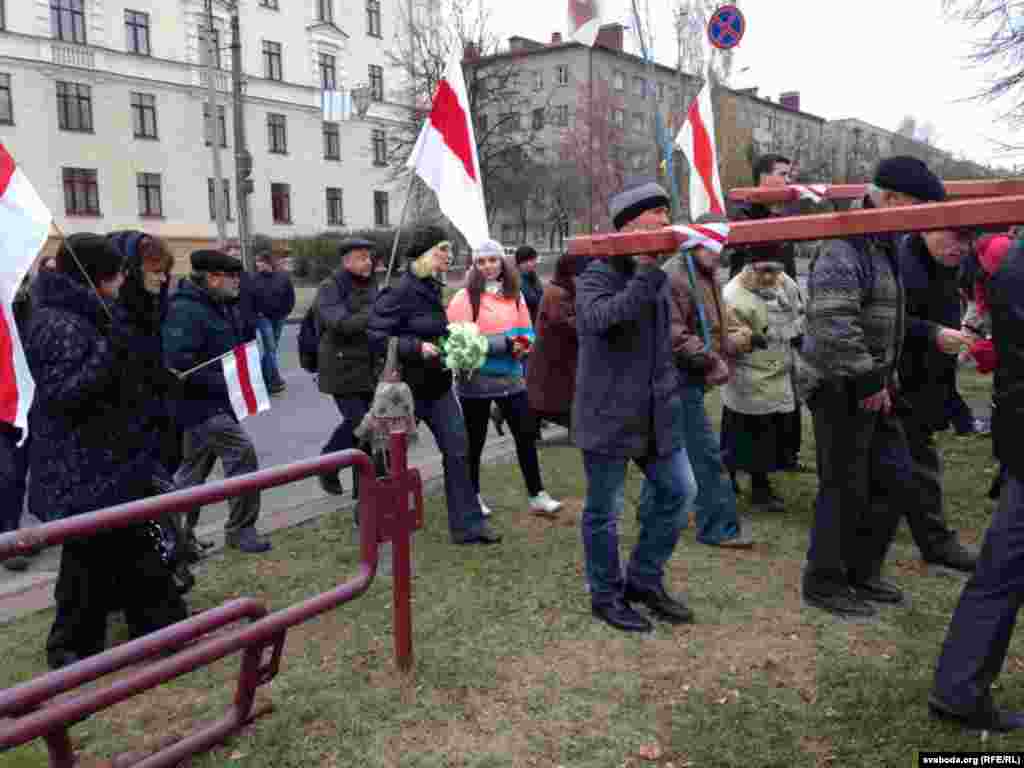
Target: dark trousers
[(516, 411), (118, 569), (927, 518), (864, 483), (353, 408), (13, 473), (982, 625), (958, 411)]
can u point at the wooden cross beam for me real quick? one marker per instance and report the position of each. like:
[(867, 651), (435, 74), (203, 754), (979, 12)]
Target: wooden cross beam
[(956, 190), (987, 212)]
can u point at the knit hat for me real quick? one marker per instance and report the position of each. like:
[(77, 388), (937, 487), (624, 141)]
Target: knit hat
[(424, 239), (525, 253), (489, 248), (634, 201), (214, 261), (97, 256), (911, 177)]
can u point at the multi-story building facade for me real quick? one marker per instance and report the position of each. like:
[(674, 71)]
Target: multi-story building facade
[(781, 127), (103, 104)]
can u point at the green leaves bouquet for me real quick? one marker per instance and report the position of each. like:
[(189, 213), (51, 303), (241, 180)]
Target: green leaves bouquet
[(464, 350)]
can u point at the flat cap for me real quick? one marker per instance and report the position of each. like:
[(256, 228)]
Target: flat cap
[(214, 261), (355, 244)]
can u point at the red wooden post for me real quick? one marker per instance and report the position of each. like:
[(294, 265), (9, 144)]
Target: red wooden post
[(986, 212), (401, 555), (956, 190)]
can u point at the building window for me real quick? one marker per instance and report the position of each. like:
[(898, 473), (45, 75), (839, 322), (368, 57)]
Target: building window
[(640, 87), (562, 74), (281, 203), (271, 4), (81, 192), (74, 107), (618, 117), (538, 80), (332, 142), (325, 11), (482, 123), (150, 200), (215, 36), (618, 81), (3, 15), (222, 125), (6, 102), (271, 60), (376, 82), (538, 118), (373, 18), (144, 115), (381, 210), (562, 115), (380, 147), (67, 20), (277, 134), (328, 72), (661, 91), (639, 122), (136, 27), (335, 210), (226, 188)]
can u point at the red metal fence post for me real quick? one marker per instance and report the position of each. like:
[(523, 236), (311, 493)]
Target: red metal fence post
[(401, 557)]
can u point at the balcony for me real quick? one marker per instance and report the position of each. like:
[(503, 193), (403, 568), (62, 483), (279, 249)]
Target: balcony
[(71, 55)]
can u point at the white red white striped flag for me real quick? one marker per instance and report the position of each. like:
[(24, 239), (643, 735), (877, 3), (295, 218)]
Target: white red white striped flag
[(584, 21), (445, 156), (814, 192), (24, 226), (713, 236), (696, 140), (244, 377)]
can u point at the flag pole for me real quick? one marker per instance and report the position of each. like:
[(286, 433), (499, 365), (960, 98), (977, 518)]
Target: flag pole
[(211, 361), (401, 223), (67, 245)]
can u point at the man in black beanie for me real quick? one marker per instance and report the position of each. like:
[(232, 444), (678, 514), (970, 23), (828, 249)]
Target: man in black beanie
[(627, 408), (856, 322), (204, 321)]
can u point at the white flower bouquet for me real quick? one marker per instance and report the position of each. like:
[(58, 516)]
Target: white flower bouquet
[(465, 349)]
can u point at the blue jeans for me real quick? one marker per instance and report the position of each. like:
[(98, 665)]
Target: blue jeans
[(270, 336), (662, 518), (715, 507), (444, 419)]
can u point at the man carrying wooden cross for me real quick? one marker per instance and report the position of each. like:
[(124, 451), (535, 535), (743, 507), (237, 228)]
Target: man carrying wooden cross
[(856, 322)]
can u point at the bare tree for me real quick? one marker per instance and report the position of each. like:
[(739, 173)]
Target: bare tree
[(998, 49), (499, 99)]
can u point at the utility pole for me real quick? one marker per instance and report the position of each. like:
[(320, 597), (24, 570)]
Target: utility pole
[(243, 159), (211, 125)]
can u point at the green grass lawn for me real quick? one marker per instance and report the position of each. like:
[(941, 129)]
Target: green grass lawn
[(511, 670)]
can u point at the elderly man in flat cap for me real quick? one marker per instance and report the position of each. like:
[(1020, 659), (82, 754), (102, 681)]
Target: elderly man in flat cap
[(204, 321), (856, 324), (627, 408)]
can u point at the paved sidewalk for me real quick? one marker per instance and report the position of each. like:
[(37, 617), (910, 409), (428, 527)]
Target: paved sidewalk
[(283, 507)]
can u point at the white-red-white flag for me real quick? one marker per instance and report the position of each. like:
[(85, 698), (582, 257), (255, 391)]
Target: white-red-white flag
[(445, 156), (696, 140), (244, 377), (24, 226), (584, 20), (713, 236)]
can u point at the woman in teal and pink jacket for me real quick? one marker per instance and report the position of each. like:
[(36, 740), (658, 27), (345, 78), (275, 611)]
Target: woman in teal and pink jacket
[(492, 299)]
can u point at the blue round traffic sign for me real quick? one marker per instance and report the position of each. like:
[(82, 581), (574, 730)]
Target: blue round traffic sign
[(726, 27)]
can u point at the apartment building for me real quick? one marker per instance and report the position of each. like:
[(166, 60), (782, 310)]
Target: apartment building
[(103, 103)]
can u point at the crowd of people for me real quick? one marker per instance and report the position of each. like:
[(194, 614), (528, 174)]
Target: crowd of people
[(623, 351)]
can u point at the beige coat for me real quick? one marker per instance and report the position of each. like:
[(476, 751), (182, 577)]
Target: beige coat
[(762, 380)]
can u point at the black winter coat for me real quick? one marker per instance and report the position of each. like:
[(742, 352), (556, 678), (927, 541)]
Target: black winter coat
[(1006, 292), (271, 294), (627, 401), (413, 312), (200, 328), (345, 362), (87, 451), (927, 375)]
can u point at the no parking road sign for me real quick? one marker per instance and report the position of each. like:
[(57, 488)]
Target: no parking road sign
[(726, 27)]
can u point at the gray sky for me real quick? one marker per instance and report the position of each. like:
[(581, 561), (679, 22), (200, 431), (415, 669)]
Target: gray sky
[(877, 60)]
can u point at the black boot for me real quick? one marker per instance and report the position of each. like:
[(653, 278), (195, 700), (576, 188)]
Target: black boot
[(621, 616)]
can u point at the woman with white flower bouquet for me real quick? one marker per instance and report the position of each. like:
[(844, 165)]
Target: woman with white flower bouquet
[(489, 336)]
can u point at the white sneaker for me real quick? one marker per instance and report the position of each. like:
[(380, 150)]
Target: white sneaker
[(543, 504), (483, 507)]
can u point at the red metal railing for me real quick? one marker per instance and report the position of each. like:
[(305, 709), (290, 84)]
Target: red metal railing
[(391, 508), (955, 190)]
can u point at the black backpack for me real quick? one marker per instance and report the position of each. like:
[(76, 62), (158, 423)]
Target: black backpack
[(309, 341)]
